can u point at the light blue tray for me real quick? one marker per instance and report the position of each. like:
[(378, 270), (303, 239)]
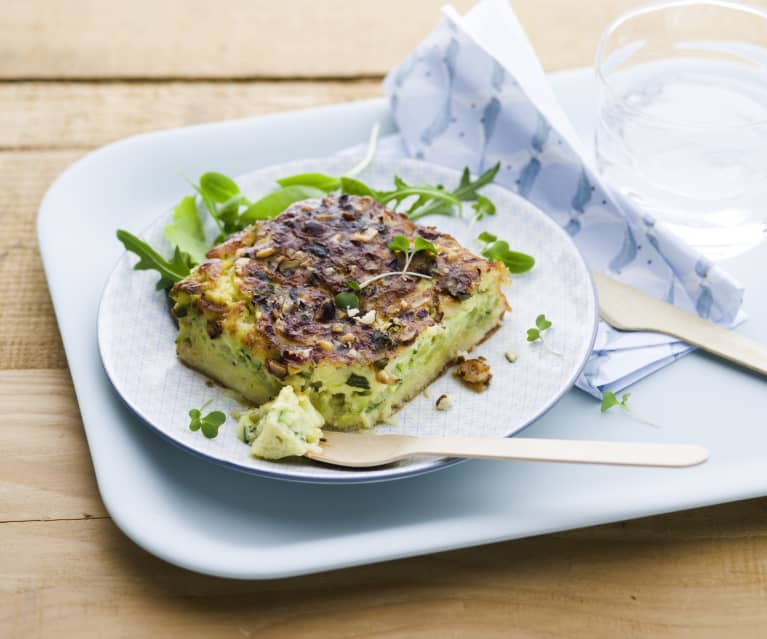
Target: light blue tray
[(218, 521)]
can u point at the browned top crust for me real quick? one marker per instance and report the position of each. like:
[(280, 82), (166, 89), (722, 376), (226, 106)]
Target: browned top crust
[(286, 272)]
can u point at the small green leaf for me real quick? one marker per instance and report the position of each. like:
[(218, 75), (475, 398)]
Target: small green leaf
[(216, 418), (354, 286), (275, 203), (608, 401), (358, 381), (486, 237), (347, 300), (186, 231), (399, 243), (542, 323), (625, 400), (350, 186), (533, 334), (209, 430), (218, 187), (194, 413), (421, 244), (319, 181), (483, 207)]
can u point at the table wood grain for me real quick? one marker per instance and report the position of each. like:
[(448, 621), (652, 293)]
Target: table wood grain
[(78, 74)]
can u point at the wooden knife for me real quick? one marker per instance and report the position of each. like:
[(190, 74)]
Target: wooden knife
[(628, 309)]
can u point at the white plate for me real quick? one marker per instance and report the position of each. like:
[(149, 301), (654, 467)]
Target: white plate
[(136, 337)]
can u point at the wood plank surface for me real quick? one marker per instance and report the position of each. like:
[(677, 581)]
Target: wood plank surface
[(90, 114), (258, 39), (76, 74), (648, 578), (46, 471), (29, 337)]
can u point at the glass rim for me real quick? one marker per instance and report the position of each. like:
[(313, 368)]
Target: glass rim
[(654, 8)]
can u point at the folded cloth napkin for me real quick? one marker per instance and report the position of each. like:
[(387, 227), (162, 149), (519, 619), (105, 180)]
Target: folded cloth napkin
[(473, 94)]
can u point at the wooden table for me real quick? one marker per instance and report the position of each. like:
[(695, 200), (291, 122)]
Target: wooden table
[(80, 73)]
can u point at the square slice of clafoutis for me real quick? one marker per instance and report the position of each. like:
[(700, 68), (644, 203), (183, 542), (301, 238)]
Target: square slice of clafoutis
[(319, 299)]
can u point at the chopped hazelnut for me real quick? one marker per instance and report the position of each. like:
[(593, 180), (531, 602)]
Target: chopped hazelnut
[(368, 234), (266, 252), (475, 373), (276, 368), (325, 345), (510, 356), (348, 338), (386, 378)]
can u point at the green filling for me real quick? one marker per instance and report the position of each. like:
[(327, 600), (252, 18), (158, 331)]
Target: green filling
[(347, 397)]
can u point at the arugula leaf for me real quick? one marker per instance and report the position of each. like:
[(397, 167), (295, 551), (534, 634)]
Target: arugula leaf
[(185, 232), (319, 181), (275, 203), (483, 207), (423, 192), (350, 186), (208, 424), (499, 251), (218, 187), (467, 191), (171, 271)]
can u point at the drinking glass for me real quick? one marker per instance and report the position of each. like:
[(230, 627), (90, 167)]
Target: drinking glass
[(682, 128)]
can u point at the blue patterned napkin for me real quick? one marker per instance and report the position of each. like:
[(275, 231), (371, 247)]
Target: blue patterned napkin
[(473, 94)]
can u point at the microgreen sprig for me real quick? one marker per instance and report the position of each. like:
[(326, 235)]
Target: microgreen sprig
[(497, 250), (609, 400), (399, 244), (536, 334), (209, 424)]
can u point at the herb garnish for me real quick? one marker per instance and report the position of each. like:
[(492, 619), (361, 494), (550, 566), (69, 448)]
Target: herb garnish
[(536, 334), (186, 232), (401, 244), (208, 424), (497, 250), (482, 207), (231, 211), (609, 400), (171, 271), (467, 191)]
